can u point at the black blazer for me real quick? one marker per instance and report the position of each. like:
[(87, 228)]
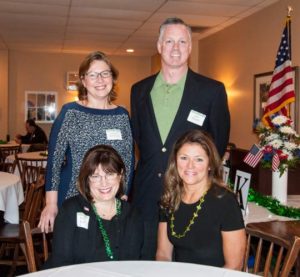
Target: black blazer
[(200, 94)]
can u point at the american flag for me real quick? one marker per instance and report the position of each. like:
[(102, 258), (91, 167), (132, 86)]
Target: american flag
[(275, 162), (254, 156), (282, 91)]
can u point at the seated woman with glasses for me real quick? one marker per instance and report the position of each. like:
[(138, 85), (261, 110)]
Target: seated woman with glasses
[(200, 220), (80, 125), (96, 225)]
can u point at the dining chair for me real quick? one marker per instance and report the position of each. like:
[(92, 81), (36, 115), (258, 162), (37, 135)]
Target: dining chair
[(11, 237), (6, 151), (35, 237), (275, 247), (9, 167), (29, 170), (226, 171), (37, 147)]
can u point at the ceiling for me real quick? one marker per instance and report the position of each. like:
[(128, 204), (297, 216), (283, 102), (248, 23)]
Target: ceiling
[(112, 26)]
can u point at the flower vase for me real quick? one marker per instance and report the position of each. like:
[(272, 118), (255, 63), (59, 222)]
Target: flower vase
[(279, 186)]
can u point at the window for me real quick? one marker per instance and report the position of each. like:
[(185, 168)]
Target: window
[(41, 106)]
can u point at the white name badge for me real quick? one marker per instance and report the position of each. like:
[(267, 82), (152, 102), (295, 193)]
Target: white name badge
[(196, 118), (113, 134), (82, 220)]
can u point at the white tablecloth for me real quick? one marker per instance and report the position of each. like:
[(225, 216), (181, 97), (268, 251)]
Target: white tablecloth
[(140, 269), (11, 196), (24, 147), (257, 213)]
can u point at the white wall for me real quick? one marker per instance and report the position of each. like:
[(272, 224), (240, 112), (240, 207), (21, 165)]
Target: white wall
[(47, 72), (242, 50)]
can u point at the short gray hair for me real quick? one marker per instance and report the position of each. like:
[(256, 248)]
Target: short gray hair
[(173, 21)]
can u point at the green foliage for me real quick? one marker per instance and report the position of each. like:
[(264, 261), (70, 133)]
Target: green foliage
[(273, 205)]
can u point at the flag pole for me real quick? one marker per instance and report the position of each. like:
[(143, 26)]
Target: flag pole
[(285, 94), (289, 11)]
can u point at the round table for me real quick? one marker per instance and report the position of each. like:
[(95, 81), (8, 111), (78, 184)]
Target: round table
[(138, 269), (24, 147), (11, 196), (38, 156)]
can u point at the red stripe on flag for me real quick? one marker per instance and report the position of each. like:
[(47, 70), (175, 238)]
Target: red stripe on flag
[(275, 162), (254, 156), (282, 91)]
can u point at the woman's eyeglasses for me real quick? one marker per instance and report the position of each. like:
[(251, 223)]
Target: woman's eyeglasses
[(93, 76), (109, 177)]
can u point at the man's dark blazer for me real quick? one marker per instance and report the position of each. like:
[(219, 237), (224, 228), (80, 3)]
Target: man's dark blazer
[(200, 94)]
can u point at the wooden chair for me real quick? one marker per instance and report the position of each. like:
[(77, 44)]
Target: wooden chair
[(6, 151), (35, 237), (29, 170), (9, 167), (11, 236), (37, 147), (226, 171), (28, 161), (275, 246), (32, 256)]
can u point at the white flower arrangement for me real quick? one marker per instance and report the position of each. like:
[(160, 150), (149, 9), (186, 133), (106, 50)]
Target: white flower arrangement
[(281, 139)]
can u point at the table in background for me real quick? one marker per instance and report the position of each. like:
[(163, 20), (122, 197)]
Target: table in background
[(261, 178), (277, 225), (24, 147), (38, 156), (140, 269), (11, 196), (284, 229), (258, 213)]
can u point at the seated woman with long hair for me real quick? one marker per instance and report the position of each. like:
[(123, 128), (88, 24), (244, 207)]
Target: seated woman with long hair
[(200, 219)]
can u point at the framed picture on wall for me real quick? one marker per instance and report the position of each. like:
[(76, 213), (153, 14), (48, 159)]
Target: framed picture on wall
[(71, 80), (262, 83), (41, 106)]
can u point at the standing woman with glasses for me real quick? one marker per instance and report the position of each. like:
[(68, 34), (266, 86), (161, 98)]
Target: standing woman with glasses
[(96, 225), (92, 120)]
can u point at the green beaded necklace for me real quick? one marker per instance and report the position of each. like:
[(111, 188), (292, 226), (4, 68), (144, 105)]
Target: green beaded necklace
[(192, 221), (104, 234)]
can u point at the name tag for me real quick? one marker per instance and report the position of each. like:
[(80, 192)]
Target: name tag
[(83, 220), (113, 134), (196, 118)]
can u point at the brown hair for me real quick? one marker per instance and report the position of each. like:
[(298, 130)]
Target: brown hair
[(85, 66), (110, 161), (173, 185)]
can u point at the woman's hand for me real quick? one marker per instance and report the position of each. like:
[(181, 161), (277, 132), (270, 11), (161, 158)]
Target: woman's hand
[(49, 212), (124, 197), (47, 217)]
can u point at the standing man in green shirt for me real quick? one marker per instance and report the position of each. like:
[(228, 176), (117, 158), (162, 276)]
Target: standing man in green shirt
[(163, 107)]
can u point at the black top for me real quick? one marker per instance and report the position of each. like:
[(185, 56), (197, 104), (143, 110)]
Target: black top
[(203, 243), (38, 136), (73, 244)]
